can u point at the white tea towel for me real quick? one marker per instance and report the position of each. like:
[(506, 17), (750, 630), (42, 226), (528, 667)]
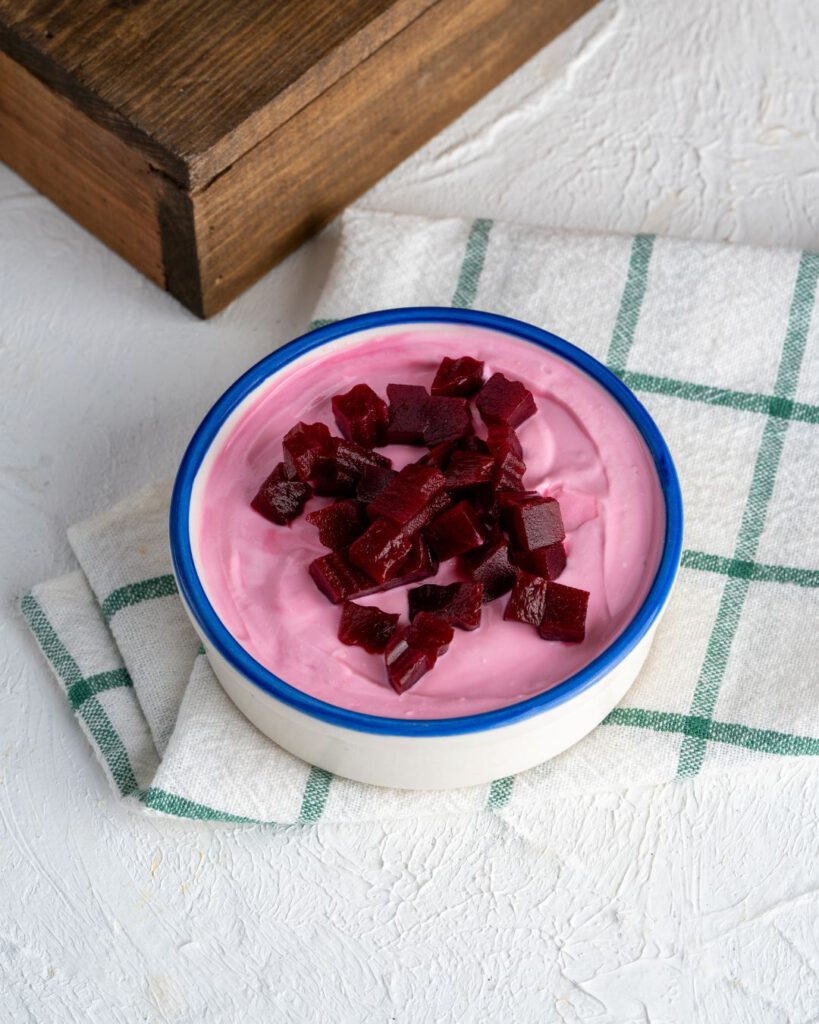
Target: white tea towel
[(720, 342)]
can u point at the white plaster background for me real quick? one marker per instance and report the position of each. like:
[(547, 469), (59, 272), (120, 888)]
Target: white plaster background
[(695, 902)]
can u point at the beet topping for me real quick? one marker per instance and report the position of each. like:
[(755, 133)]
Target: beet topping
[(501, 400), (459, 378), (464, 497), (361, 416), (365, 627)]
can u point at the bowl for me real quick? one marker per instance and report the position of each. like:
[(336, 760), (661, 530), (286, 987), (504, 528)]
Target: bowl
[(419, 753)]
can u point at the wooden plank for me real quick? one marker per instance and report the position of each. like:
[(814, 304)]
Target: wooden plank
[(354, 133), (194, 84), (91, 174)]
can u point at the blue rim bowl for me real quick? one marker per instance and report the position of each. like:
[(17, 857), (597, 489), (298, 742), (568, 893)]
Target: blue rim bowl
[(219, 637)]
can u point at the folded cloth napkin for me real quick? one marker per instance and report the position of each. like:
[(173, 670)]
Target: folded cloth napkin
[(722, 345)]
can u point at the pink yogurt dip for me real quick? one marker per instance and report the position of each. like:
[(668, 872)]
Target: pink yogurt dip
[(580, 447)]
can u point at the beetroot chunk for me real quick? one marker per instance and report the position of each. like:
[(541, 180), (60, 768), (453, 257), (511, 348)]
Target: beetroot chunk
[(459, 378), (338, 472), (372, 482), (413, 650), (508, 473), (303, 447), (490, 565), (533, 522), (501, 400), (548, 562), (564, 614), (338, 580), (339, 524), (467, 469), (407, 494), (455, 531), (501, 438), (419, 565), (361, 416), (281, 499), (459, 604), (365, 627), (380, 550), (407, 413), (527, 602), (447, 419)]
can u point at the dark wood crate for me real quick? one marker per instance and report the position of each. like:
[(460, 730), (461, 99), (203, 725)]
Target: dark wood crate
[(203, 140)]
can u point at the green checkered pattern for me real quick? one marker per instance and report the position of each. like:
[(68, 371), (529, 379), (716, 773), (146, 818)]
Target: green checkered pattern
[(722, 346)]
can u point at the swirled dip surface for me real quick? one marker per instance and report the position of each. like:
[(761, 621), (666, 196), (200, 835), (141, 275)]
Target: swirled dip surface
[(579, 447)]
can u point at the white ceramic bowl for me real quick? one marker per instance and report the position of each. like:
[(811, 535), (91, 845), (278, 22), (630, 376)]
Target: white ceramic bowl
[(440, 753)]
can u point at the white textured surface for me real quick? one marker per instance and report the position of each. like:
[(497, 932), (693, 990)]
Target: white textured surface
[(687, 903)]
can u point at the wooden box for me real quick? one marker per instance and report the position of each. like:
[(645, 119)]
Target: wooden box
[(204, 139)]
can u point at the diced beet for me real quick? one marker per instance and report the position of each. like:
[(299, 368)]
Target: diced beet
[(473, 443), (366, 627), (501, 438), (303, 447), (436, 505), (430, 633), (548, 562), (460, 378), (455, 531), (405, 664), (508, 472), (491, 566), (564, 615), (534, 522), (501, 400), (407, 494), (380, 550), (372, 482), (419, 565), (339, 524), (407, 413), (438, 455), (447, 420), (413, 650), (336, 474), (361, 416), (466, 469), (458, 603), (528, 600), (281, 499), (338, 580)]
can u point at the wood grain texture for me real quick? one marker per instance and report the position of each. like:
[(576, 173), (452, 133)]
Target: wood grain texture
[(334, 149), (195, 83), (106, 185)]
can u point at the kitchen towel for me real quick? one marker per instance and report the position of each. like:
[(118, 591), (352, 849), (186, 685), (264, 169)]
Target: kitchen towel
[(720, 342)]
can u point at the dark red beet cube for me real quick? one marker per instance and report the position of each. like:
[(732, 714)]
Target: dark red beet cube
[(303, 447), (338, 580), (339, 524), (533, 522), (491, 566), (281, 499), (460, 378), (365, 627), (438, 455), (407, 494), (407, 413), (337, 473), (459, 604), (548, 562), (361, 416), (372, 482), (455, 531), (501, 438), (501, 400), (405, 664), (528, 600), (447, 420), (473, 443), (419, 565), (508, 473), (467, 469), (413, 650), (380, 550), (437, 504), (564, 614)]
